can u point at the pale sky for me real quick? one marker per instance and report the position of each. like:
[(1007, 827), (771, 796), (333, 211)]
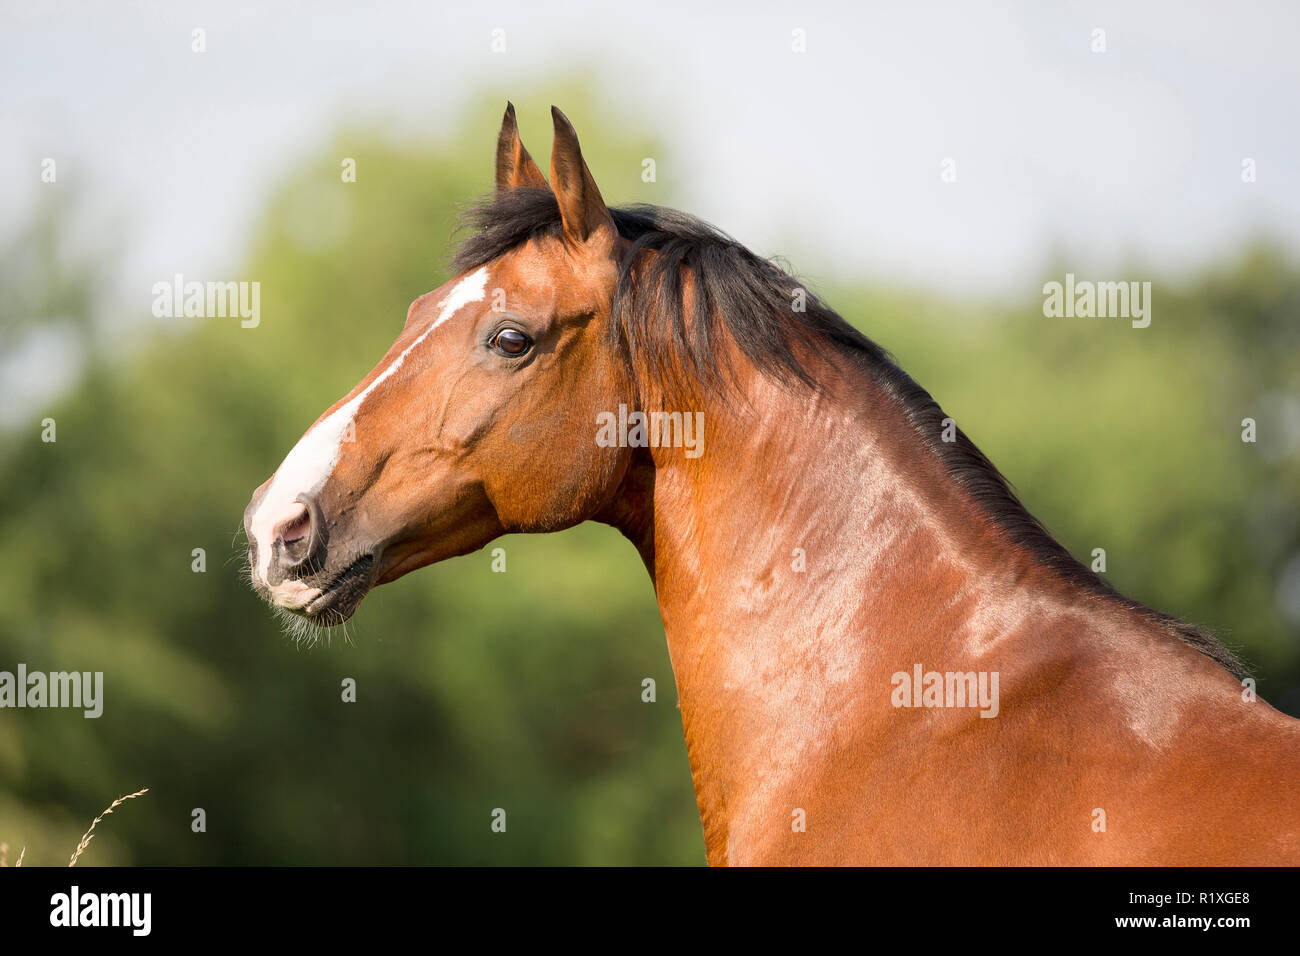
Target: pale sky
[(831, 157)]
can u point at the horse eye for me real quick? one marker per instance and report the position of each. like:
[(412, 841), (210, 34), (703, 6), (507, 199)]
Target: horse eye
[(511, 342)]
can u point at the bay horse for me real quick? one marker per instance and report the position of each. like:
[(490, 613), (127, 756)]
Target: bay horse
[(881, 657)]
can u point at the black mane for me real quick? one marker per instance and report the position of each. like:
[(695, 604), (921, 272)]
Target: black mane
[(750, 299)]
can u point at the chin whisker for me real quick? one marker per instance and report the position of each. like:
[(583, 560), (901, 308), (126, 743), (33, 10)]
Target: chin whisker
[(301, 630)]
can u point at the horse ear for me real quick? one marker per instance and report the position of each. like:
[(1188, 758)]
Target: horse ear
[(514, 166), (581, 207)]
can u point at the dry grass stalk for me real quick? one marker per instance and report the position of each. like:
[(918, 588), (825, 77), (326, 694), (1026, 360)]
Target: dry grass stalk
[(85, 840), (4, 855)]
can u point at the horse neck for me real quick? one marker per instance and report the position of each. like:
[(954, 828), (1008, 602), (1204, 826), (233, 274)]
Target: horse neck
[(814, 549)]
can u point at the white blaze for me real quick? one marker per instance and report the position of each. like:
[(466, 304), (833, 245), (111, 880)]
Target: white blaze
[(311, 461)]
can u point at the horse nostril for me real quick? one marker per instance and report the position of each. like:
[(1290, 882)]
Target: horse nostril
[(299, 536), (296, 527)]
